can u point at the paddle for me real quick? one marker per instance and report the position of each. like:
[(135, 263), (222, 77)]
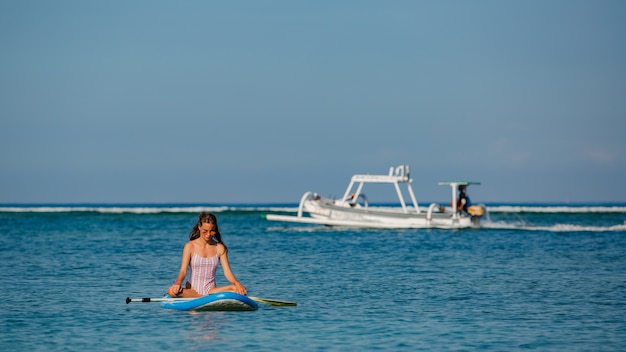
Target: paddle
[(161, 299), (271, 302)]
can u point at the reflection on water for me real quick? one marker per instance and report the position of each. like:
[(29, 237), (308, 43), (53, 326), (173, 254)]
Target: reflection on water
[(205, 326)]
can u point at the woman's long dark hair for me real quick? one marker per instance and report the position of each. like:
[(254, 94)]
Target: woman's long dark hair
[(208, 218)]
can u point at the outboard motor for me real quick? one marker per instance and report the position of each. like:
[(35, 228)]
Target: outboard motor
[(476, 212)]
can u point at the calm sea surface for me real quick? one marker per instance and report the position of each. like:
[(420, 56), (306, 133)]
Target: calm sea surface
[(537, 277)]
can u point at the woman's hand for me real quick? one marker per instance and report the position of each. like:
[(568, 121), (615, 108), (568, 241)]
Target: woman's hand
[(240, 289), (175, 290)]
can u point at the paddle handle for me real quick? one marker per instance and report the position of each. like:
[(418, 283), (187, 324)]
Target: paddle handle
[(148, 300), (128, 300)]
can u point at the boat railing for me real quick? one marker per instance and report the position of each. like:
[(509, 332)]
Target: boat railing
[(431, 208), (397, 175), (305, 197)]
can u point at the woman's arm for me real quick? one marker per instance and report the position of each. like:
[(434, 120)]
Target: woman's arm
[(175, 289), (228, 273)]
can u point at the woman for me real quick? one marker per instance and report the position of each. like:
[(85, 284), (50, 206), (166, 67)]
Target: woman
[(201, 255)]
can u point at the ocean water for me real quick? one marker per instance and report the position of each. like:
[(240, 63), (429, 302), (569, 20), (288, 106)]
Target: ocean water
[(534, 277)]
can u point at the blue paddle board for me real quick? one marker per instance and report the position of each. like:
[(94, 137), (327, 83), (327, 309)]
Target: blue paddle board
[(223, 301)]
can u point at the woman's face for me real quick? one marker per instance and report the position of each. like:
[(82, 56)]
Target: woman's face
[(207, 231)]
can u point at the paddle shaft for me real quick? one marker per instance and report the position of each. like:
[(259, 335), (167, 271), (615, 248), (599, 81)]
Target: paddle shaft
[(148, 300)]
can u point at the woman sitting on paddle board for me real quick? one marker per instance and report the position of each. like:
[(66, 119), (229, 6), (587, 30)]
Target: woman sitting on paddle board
[(201, 255)]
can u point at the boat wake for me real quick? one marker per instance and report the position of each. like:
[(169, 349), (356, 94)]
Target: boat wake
[(581, 209), (501, 225)]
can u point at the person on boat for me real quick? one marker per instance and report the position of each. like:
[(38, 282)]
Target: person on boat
[(201, 256), (463, 202), (351, 200)]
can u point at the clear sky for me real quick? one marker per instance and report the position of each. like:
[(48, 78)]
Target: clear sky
[(261, 101)]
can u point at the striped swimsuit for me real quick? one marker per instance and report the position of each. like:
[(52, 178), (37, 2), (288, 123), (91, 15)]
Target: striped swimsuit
[(202, 273)]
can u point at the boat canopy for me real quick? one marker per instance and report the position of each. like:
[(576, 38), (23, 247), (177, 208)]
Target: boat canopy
[(458, 183), (397, 175)]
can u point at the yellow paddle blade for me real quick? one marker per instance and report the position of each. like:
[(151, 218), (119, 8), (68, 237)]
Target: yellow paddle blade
[(273, 302)]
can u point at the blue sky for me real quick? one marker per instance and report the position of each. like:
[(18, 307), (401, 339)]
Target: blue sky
[(260, 101)]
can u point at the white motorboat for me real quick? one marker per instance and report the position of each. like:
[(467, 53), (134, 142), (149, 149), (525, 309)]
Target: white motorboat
[(353, 210)]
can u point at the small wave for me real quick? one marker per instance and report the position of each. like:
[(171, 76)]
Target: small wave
[(302, 229), (110, 210), (139, 209), (555, 209), (553, 228)]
